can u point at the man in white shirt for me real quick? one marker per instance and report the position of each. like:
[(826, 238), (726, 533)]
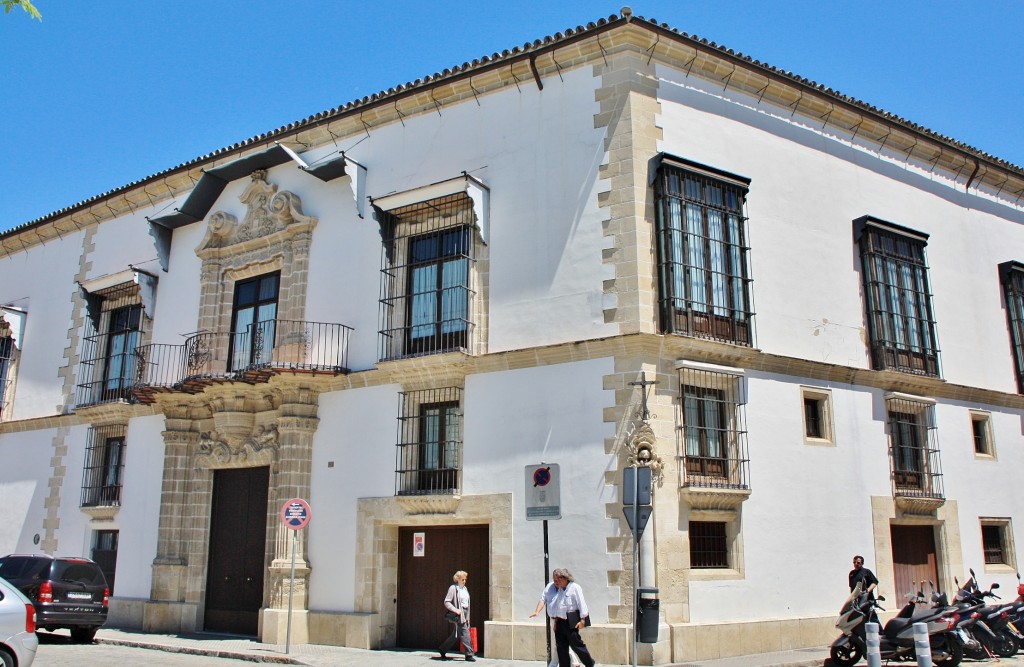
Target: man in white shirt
[(567, 608)]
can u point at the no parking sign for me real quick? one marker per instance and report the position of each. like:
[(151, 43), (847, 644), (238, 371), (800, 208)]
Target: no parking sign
[(295, 514)]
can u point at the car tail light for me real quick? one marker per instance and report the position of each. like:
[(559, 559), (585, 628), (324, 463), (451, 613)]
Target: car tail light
[(45, 592), (30, 617), (106, 597)]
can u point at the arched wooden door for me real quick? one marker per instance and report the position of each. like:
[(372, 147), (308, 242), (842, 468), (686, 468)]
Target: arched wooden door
[(424, 579)]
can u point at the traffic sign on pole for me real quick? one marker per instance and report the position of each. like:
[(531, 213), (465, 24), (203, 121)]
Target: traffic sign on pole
[(295, 514), (543, 496)]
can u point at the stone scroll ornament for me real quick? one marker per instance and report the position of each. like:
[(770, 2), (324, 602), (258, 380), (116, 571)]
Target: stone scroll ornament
[(214, 450), (269, 211)]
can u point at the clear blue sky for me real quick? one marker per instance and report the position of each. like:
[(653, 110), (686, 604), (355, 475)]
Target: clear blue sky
[(100, 94)]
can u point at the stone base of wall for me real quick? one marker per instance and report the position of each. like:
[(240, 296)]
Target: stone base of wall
[(274, 626), (612, 643), (723, 640), (170, 618), (355, 629), (126, 613)]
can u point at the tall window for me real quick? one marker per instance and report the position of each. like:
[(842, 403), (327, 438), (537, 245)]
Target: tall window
[(981, 432), (114, 330), (703, 271), (714, 434), (6, 359), (122, 339), (254, 321), (898, 298), (427, 290), (429, 442), (1012, 274), (913, 448), (104, 465)]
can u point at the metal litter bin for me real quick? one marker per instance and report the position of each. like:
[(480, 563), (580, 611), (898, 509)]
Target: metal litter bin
[(647, 616)]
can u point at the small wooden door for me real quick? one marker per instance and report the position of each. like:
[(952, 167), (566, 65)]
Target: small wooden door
[(913, 560), (424, 580), (238, 543)]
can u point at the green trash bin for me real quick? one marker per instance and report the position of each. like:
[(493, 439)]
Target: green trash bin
[(647, 608)]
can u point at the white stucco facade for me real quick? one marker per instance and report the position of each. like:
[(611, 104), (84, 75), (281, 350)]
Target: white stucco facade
[(552, 293)]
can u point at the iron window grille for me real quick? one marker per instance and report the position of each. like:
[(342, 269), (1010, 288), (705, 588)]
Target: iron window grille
[(427, 294), (1012, 275), (104, 466), (709, 545), (703, 265), (429, 442), (914, 449), (6, 361), (714, 435), (115, 326), (898, 298), (997, 541)]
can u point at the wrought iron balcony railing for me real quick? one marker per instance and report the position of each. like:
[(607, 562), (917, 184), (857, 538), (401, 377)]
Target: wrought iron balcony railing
[(106, 369), (251, 355), (711, 472)]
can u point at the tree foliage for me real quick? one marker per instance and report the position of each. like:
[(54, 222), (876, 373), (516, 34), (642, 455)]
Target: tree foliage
[(24, 4)]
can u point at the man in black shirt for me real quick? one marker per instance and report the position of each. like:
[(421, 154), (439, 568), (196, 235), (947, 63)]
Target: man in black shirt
[(862, 575)]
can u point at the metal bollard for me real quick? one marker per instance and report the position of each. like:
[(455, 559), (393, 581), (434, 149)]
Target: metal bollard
[(874, 654), (922, 645)]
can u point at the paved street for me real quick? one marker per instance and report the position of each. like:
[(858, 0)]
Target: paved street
[(120, 649)]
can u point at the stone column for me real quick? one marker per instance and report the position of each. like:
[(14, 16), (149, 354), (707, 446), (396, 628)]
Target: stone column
[(167, 610), (296, 427)]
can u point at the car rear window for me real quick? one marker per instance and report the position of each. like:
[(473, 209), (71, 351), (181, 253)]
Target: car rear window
[(78, 571), (22, 567)]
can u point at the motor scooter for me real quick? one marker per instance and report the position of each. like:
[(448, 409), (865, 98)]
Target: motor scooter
[(989, 625), (896, 639)]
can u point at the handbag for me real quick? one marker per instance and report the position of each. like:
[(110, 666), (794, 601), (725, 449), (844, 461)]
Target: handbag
[(451, 616), (574, 619)]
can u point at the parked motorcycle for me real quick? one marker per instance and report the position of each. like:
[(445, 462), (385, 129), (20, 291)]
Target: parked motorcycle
[(991, 624), (896, 639)]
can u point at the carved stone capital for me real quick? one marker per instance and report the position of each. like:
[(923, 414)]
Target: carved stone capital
[(215, 451), (308, 424)]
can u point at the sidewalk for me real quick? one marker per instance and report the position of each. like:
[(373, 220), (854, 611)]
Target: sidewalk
[(319, 655)]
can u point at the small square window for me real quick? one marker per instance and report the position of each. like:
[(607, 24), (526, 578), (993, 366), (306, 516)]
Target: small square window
[(709, 546), (981, 434), (997, 543), (817, 408)]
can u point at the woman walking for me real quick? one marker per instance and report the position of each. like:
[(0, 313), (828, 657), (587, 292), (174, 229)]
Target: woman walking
[(457, 604)]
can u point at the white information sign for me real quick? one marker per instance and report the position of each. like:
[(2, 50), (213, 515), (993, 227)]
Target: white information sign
[(543, 499)]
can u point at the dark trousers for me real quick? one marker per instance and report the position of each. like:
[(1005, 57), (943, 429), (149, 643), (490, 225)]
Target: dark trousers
[(566, 637), (459, 631)]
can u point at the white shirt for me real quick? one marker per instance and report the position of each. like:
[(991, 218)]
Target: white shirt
[(560, 602)]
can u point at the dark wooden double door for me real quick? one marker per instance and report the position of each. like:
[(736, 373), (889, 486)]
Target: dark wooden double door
[(914, 560), (423, 581), (238, 544)]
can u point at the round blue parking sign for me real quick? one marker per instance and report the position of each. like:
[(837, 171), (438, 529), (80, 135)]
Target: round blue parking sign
[(295, 514)]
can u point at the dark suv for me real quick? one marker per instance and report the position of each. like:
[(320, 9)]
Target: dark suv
[(67, 592)]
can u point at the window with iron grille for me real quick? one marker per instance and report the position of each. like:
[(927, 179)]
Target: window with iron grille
[(703, 270), (104, 466), (427, 290), (709, 545), (898, 298), (997, 541), (104, 553), (913, 449), (714, 429), (1012, 275), (429, 442), (116, 323), (6, 361)]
